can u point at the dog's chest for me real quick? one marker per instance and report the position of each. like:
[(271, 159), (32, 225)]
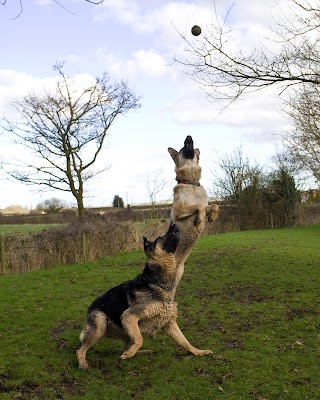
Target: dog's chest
[(157, 317), (191, 195)]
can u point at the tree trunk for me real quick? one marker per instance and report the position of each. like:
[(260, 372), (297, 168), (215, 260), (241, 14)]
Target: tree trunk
[(81, 209)]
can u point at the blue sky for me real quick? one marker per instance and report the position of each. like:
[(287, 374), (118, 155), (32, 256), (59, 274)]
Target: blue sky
[(137, 41)]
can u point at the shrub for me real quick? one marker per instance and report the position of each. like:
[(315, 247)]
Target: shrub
[(74, 243)]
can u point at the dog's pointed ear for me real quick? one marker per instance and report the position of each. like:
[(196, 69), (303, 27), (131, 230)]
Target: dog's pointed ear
[(173, 153), (147, 245), (145, 242), (197, 153)]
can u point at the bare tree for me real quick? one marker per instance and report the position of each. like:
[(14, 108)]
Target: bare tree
[(233, 175), (303, 141), (239, 182), (51, 206), (66, 130), (155, 184), (226, 74), (256, 199)]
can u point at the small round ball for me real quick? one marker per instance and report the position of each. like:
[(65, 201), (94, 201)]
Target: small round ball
[(196, 30)]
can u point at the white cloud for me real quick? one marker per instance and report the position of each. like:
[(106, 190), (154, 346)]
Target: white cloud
[(125, 11), (42, 2), (150, 62), (166, 19), (256, 117), (15, 85), (143, 63), (167, 16)]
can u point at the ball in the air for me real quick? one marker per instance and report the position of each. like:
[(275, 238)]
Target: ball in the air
[(196, 30)]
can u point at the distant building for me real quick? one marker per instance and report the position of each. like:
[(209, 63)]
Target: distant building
[(14, 210), (310, 196)]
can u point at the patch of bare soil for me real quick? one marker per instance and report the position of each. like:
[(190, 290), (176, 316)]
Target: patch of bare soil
[(244, 294)]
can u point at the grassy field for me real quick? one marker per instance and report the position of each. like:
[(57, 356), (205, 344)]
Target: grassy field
[(26, 228), (251, 297)]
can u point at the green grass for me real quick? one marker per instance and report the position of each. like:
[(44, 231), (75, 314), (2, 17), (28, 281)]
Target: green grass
[(251, 297), (26, 228)]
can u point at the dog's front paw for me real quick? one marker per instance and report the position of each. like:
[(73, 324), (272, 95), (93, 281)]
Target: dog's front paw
[(127, 354), (123, 356), (202, 352), (213, 213), (82, 360), (83, 365)]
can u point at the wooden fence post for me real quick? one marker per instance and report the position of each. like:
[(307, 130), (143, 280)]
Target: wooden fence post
[(2, 256)]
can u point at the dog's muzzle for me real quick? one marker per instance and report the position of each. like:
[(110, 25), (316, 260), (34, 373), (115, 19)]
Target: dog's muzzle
[(188, 149)]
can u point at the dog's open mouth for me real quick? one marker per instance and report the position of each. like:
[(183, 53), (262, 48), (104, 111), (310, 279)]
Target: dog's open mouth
[(188, 149)]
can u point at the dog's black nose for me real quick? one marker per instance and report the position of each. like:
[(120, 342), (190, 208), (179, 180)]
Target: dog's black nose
[(174, 228), (187, 149), (188, 141)]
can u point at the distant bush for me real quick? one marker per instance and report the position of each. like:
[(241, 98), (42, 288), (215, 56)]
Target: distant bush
[(118, 202)]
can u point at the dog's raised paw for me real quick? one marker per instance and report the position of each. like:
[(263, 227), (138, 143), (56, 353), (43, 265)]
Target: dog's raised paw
[(197, 220), (214, 213)]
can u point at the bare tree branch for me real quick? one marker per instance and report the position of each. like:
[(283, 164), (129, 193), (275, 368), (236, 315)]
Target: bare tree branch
[(95, 2), (226, 74), (155, 182)]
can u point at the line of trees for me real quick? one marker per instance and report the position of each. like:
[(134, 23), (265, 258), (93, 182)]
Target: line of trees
[(257, 199)]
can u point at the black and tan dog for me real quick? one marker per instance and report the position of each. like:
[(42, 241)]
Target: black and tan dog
[(142, 305), (190, 208)]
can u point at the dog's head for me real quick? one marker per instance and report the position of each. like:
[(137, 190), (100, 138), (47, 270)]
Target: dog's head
[(163, 245), (186, 154), (186, 160)]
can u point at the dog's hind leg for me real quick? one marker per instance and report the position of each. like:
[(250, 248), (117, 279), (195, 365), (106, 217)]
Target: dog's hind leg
[(180, 267), (94, 330), (172, 329), (133, 344)]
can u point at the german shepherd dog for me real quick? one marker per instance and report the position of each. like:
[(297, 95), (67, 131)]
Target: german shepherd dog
[(142, 305), (190, 208)]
